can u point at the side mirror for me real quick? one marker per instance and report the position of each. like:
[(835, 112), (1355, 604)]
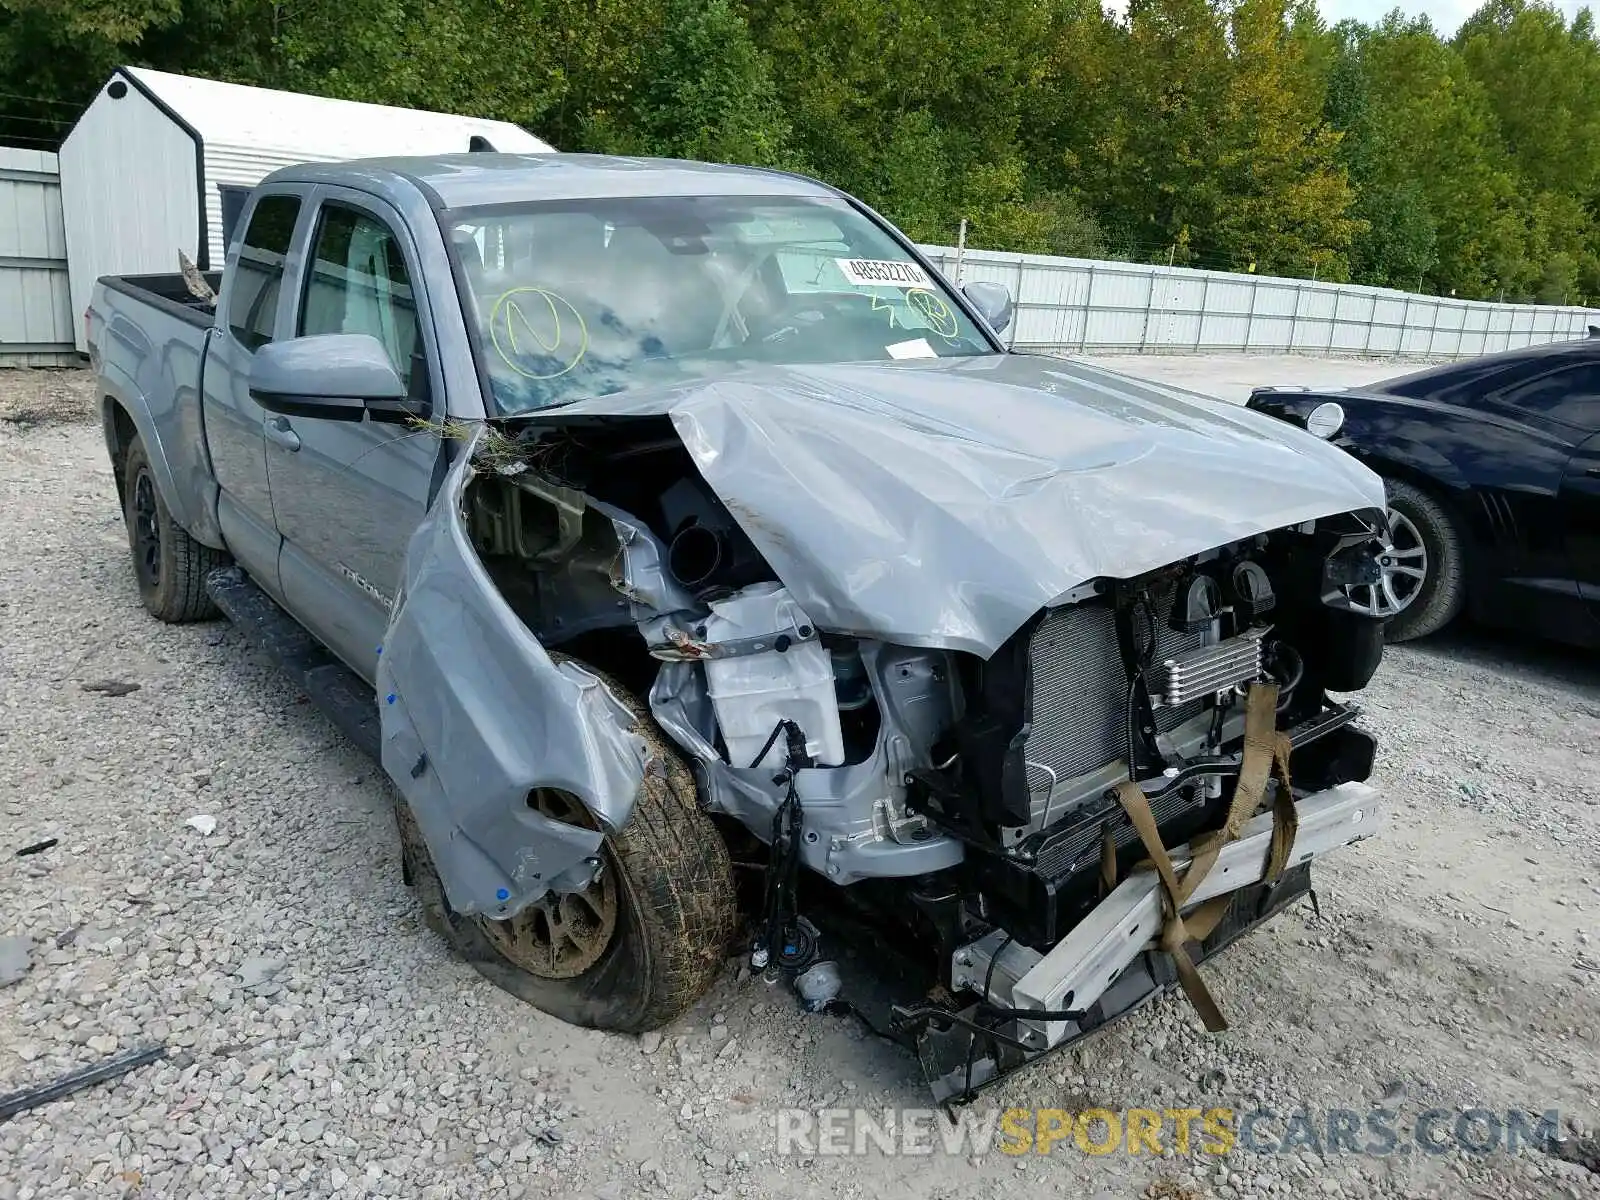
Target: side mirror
[(334, 376), (993, 302)]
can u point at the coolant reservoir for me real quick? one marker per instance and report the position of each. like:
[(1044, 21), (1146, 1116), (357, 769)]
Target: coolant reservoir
[(751, 693)]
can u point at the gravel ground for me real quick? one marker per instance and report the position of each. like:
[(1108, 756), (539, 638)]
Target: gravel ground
[(325, 1043)]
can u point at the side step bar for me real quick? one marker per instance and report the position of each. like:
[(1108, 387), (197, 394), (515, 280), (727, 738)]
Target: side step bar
[(341, 695), (1085, 963)]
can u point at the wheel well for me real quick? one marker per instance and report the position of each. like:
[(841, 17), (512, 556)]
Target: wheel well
[(120, 432), (1448, 498), (1451, 499)]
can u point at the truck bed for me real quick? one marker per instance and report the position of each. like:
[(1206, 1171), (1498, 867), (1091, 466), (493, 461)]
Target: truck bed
[(147, 341), (168, 293)]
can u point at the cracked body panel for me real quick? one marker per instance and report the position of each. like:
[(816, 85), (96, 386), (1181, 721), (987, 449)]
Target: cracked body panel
[(476, 714)]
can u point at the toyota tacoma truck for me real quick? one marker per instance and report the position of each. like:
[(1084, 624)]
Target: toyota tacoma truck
[(709, 577)]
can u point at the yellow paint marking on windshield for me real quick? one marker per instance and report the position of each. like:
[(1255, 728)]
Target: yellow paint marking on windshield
[(508, 313), (878, 305), (934, 309)]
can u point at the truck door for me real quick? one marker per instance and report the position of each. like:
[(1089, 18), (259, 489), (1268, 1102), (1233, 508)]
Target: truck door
[(349, 494), (252, 312)]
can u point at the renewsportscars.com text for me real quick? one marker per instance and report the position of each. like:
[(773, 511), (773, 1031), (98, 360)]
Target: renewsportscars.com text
[(1375, 1132)]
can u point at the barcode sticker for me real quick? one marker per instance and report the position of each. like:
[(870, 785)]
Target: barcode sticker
[(872, 272)]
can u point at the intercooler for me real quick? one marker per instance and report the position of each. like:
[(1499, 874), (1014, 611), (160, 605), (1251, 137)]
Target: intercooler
[(1080, 691)]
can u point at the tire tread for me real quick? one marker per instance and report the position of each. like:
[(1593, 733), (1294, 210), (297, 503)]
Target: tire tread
[(679, 879), (1445, 588), (181, 595)]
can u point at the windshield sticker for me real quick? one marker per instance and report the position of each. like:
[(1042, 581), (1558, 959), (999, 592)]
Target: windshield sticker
[(915, 348), (872, 272), (537, 333), (934, 311)]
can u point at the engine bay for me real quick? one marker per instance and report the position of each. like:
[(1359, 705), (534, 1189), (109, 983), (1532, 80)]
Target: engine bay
[(951, 793)]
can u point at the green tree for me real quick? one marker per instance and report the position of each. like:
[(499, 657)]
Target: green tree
[(1287, 198), (1423, 144), (54, 54), (1396, 241), (915, 105), (1224, 133), (1153, 165), (706, 91), (1542, 80)]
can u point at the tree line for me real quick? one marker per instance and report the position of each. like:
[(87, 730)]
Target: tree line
[(1234, 134)]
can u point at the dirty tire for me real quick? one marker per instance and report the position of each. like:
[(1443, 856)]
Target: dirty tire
[(169, 566), (676, 918), (1444, 590)]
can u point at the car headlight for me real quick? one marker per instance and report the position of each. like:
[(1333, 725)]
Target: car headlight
[(1326, 419)]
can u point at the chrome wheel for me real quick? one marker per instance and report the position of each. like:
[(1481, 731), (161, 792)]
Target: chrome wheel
[(561, 936), (1403, 568)]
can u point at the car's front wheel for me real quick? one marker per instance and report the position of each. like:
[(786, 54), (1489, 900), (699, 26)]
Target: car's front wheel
[(636, 947), (1422, 584)]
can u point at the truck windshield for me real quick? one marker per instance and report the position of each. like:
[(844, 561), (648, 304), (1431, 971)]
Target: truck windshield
[(588, 298)]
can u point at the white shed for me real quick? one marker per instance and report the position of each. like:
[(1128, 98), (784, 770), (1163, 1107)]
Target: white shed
[(160, 163)]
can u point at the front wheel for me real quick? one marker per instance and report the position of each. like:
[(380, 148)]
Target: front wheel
[(636, 947), (1423, 582)]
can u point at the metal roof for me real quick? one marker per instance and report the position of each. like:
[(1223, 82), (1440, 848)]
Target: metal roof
[(317, 126), (469, 180)]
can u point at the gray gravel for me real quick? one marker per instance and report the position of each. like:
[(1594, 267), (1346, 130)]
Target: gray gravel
[(324, 1043)]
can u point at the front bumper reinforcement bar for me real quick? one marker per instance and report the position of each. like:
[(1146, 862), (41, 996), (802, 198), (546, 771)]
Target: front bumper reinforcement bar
[(1081, 967)]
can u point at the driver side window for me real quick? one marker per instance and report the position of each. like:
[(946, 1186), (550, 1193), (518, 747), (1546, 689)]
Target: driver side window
[(356, 282)]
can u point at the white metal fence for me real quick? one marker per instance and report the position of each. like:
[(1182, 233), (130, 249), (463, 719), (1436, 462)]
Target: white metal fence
[(1077, 305), (35, 308)]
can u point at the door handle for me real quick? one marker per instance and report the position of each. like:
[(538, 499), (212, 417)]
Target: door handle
[(280, 431), (1595, 471)]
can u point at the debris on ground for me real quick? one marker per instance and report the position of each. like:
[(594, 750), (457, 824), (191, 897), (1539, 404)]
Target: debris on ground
[(102, 1072), (16, 957), (111, 687)]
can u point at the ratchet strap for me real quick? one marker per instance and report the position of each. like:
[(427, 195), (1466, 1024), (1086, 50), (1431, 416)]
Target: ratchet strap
[(1266, 751)]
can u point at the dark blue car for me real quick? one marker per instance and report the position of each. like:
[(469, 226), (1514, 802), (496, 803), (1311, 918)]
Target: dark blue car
[(1492, 467)]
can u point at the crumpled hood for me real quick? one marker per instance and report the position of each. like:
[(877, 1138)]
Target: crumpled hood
[(942, 502)]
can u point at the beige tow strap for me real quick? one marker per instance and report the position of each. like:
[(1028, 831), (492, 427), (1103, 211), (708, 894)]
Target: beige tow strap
[(1265, 749), (1108, 860)]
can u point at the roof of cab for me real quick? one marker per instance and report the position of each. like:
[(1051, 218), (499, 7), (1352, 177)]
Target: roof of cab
[(469, 180)]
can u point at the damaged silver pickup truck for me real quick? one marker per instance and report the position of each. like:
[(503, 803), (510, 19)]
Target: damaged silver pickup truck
[(686, 547)]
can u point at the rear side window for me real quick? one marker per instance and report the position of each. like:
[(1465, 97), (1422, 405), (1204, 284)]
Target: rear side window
[(258, 274), (1570, 395), (1464, 383), (357, 283)]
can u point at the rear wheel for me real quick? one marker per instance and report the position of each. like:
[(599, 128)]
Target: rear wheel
[(169, 566), (1422, 586), (636, 947)]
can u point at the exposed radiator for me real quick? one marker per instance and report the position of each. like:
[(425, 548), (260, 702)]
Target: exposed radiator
[(1076, 844), (1080, 690)]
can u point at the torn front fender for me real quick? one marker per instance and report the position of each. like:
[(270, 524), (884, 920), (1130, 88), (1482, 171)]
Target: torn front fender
[(476, 716)]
